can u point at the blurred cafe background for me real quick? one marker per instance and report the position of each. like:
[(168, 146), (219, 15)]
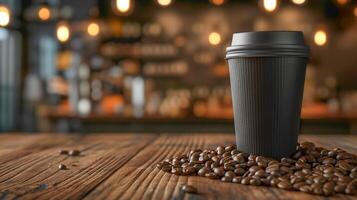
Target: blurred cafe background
[(158, 65)]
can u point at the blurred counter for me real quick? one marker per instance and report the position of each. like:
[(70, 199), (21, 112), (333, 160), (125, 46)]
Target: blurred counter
[(316, 123)]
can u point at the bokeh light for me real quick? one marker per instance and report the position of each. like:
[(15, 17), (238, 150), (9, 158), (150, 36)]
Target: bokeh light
[(164, 2), (93, 29), (214, 38), (44, 13), (298, 2), (63, 32), (4, 15), (123, 6), (320, 37), (217, 2), (270, 5)]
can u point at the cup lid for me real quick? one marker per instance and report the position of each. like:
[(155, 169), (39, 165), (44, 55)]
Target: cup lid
[(268, 43)]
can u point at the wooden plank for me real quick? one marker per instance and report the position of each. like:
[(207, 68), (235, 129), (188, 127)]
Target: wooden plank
[(123, 166), (36, 176), (139, 179)]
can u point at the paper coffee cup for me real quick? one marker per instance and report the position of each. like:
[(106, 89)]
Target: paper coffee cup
[(267, 73)]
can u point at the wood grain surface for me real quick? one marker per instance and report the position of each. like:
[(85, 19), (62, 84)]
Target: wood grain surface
[(122, 166)]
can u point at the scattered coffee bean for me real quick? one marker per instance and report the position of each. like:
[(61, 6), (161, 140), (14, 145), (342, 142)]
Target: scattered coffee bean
[(62, 167), (74, 152), (189, 189), (63, 152), (311, 169)]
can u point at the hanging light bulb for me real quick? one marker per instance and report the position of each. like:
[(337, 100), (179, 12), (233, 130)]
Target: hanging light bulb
[(44, 13), (298, 2), (123, 7), (270, 5), (164, 3), (217, 2), (63, 32), (93, 29), (320, 37), (214, 38), (4, 15)]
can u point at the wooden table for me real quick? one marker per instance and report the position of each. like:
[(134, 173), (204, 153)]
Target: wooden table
[(122, 166)]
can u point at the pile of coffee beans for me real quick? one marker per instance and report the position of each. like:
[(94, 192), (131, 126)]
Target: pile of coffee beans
[(311, 169)]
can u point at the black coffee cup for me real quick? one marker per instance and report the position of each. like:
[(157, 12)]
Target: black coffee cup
[(267, 73)]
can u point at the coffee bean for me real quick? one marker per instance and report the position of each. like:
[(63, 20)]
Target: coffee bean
[(189, 189), (239, 171), (255, 181), (62, 167), (340, 188), (298, 185), (261, 173), (296, 180), (284, 185), (188, 170), (274, 182), (63, 152), (305, 188), (74, 152), (319, 179), (345, 166), (211, 175), (219, 171), (237, 179), (265, 181), (220, 150), (251, 163), (239, 159), (353, 175), (227, 179), (230, 174), (332, 154), (203, 171), (328, 191), (176, 170), (253, 169), (317, 190), (351, 190), (310, 169), (176, 162), (245, 181), (343, 156), (328, 161), (166, 168)]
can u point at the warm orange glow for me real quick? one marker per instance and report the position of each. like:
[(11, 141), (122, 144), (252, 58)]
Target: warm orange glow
[(4, 16), (63, 32), (298, 2), (217, 2), (164, 2), (270, 5), (355, 11), (320, 38), (214, 38), (44, 13), (122, 6), (93, 29), (342, 2)]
